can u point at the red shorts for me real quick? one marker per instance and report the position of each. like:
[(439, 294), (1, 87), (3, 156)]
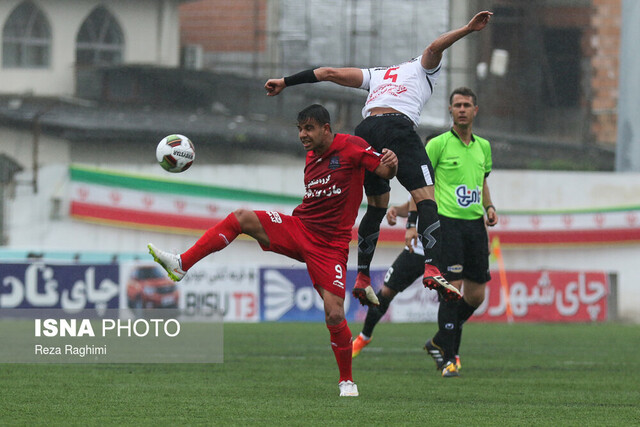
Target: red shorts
[(326, 264)]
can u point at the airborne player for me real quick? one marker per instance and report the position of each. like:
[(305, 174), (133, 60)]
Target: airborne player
[(397, 95)]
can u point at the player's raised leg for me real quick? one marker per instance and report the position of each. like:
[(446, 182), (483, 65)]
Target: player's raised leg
[(213, 240), (169, 261)]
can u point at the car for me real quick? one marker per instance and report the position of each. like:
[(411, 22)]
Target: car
[(149, 287)]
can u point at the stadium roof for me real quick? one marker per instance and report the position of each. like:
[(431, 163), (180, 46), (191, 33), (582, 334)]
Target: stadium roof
[(78, 120)]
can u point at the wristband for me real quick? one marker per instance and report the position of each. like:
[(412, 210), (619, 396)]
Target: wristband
[(306, 76), (489, 206), (412, 219)]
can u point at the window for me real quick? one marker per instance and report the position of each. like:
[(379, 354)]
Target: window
[(562, 47), (26, 38), (100, 40)]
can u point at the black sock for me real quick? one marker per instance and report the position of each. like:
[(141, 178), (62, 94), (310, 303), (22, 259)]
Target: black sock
[(465, 310), (429, 231), (368, 232), (374, 314), (447, 328)]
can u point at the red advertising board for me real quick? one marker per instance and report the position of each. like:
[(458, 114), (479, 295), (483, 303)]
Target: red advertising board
[(546, 296)]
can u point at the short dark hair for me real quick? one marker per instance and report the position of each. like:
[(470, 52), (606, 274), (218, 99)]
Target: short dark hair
[(431, 136), (316, 112), (464, 91)]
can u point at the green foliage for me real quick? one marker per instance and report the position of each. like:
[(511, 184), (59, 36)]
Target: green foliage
[(285, 374)]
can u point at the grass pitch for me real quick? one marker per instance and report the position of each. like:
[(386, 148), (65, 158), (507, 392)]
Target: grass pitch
[(285, 374)]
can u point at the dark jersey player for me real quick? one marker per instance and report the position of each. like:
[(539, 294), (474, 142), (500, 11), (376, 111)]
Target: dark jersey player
[(318, 231), (397, 95)]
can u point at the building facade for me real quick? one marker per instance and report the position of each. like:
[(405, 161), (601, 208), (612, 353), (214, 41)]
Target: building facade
[(45, 42)]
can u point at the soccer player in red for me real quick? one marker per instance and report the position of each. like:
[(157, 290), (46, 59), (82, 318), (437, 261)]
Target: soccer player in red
[(319, 230)]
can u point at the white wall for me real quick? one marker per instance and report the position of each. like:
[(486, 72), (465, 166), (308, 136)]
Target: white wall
[(18, 144), (151, 35)]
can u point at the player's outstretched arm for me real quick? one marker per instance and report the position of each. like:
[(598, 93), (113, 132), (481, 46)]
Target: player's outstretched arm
[(432, 55), (274, 86), (388, 164), (350, 77)]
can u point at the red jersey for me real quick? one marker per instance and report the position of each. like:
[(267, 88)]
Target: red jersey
[(333, 187)]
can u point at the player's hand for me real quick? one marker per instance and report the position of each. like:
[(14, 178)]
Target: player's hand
[(392, 215), (274, 86), (411, 238), (492, 217), (389, 159), (479, 21)]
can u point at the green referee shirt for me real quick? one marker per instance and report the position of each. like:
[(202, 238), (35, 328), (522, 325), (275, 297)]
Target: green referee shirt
[(460, 170)]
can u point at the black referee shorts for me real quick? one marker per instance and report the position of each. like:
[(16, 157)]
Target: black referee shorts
[(407, 267), (395, 131), (465, 250)]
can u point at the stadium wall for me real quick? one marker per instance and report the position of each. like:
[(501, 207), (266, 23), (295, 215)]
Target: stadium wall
[(41, 222)]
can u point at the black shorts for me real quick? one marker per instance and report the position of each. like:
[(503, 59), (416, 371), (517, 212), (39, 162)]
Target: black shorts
[(404, 271), (465, 250), (395, 132)]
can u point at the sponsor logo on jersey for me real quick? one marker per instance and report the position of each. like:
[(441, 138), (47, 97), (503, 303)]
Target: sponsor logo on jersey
[(330, 191), (275, 217), (319, 181), (334, 162), (467, 196), (391, 89), (319, 192)]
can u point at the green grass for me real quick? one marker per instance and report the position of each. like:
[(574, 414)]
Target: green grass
[(285, 374)]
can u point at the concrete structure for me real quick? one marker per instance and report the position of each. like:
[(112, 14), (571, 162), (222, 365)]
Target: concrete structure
[(149, 30), (628, 147)]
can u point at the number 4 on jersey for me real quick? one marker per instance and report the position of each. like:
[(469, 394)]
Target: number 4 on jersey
[(388, 74)]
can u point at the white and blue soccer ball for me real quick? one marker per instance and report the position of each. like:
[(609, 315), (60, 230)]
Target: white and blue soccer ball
[(175, 153)]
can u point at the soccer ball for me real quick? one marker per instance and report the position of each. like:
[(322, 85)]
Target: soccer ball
[(175, 153)]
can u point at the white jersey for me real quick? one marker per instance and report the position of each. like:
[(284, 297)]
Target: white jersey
[(405, 88)]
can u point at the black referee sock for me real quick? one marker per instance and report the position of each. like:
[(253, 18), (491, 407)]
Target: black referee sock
[(448, 326), (429, 230), (465, 310), (368, 233), (374, 314)]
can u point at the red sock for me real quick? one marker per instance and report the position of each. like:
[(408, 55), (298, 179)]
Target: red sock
[(213, 240), (341, 346)]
